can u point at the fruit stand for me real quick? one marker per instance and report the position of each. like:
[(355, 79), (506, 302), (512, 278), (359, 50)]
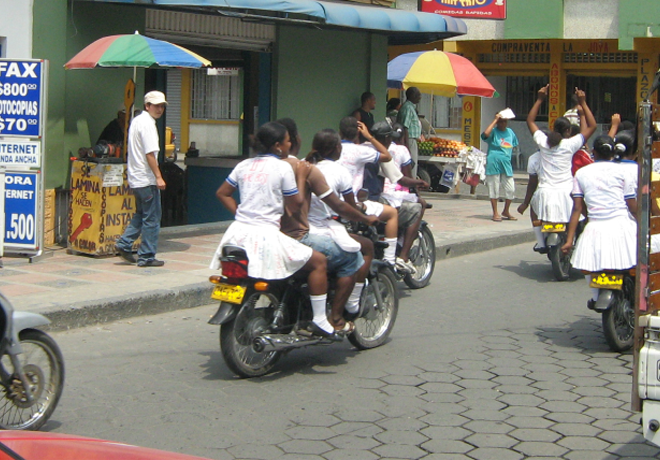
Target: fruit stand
[(434, 154)]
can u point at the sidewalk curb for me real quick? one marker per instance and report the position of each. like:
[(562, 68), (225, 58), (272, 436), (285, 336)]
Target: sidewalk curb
[(83, 314)]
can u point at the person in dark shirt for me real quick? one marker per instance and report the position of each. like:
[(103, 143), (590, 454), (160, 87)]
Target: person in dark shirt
[(113, 133), (363, 113)]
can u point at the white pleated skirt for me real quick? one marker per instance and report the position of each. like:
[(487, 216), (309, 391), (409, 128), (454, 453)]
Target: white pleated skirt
[(553, 204), (609, 244), (271, 254)]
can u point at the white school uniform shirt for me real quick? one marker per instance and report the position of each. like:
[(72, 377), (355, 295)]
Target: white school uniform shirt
[(354, 157), (142, 139), (605, 187), (394, 193), (340, 182), (262, 182), (534, 164), (556, 162), (632, 170)]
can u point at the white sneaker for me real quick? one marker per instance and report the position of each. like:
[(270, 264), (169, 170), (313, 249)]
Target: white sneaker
[(404, 266)]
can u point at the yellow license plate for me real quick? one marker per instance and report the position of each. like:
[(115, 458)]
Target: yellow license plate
[(606, 281), (553, 228), (228, 293)]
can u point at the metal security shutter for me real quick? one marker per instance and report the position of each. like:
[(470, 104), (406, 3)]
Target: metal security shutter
[(209, 30), (173, 114)]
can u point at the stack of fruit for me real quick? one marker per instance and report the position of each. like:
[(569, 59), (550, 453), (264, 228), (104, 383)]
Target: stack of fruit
[(425, 148), (441, 147)]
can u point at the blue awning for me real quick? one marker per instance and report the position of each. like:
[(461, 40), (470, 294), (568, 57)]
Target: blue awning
[(402, 27)]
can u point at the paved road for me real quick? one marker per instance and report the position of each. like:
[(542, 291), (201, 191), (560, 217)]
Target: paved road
[(495, 360)]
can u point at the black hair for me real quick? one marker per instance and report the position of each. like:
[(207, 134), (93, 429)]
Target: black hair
[(411, 92), (268, 135), (292, 128), (624, 143), (393, 103), (348, 128), (604, 147), (324, 145), (562, 124), (626, 125), (365, 97), (575, 130)]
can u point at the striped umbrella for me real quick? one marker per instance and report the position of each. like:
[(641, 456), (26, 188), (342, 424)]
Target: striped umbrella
[(135, 51), (438, 73)]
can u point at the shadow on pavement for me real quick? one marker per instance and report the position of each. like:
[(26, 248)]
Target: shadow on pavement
[(586, 334)]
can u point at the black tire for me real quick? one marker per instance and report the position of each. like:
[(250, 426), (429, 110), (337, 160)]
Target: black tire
[(237, 335), (424, 175), (619, 318), (422, 255), (376, 324), (561, 263), (43, 365)]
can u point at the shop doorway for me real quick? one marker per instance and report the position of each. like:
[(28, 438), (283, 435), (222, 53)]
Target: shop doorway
[(605, 96)]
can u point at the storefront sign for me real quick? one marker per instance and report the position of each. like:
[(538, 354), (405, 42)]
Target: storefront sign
[(553, 93), (21, 97), (20, 154), (224, 71), (468, 120), (644, 78), (21, 204), (476, 9)]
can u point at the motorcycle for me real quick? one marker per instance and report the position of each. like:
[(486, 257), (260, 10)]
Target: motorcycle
[(31, 369), (555, 237), (260, 320), (616, 303)]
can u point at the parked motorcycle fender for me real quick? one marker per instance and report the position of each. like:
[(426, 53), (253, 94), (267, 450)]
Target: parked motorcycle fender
[(552, 239), (22, 320), (604, 298), (226, 312)]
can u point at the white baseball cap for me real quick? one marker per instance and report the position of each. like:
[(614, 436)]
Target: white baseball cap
[(154, 97)]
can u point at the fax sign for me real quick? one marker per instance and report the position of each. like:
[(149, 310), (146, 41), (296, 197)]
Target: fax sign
[(21, 85), (21, 210)]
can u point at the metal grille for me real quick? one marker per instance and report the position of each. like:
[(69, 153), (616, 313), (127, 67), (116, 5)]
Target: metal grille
[(601, 58), (515, 58), (215, 97), (173, 113), (521, 93)]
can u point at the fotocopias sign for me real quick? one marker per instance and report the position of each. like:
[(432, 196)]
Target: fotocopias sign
[(474, 9), (23, 96)]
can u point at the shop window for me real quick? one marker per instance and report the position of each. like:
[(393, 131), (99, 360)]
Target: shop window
[(601, 58), (514, 58), (215, 97), (521, 93), (442, 112)]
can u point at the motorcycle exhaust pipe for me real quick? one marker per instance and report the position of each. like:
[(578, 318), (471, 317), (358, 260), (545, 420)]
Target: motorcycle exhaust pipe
[(282, 342)]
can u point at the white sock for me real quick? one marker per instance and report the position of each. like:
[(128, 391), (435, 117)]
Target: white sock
[(390, 251), (540, 241), (353, 303), (318, 308), (594, 291)]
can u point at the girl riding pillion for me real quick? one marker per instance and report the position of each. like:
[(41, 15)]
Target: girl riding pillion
[(609, 241), (266, 185)]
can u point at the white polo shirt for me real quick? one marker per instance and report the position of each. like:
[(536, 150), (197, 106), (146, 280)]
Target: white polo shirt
[(142, 139)]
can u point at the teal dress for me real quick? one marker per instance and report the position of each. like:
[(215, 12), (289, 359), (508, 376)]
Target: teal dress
[(500, 148)]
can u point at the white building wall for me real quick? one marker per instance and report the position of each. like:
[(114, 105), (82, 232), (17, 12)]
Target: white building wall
[(591, 19), (16, 28)]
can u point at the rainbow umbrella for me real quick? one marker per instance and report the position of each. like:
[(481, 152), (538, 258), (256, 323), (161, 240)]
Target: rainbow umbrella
[(134, 50), (438, 73)]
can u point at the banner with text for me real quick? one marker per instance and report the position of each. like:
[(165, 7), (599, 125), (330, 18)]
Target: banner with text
[(473, 9), (21, 97)]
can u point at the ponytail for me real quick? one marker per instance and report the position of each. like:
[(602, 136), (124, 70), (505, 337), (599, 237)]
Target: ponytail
[(554, 138), (314, 157)]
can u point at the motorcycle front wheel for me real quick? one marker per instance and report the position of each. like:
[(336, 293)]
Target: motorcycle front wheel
[(43, 366), (237, 336), (561, 263), (422, 255), (377, 322), (619, 319)]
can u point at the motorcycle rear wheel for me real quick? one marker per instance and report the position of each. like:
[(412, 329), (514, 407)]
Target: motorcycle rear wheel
[(376, 324), (237, 335), (561, 263), (619, 319), (422, 255), (43, 366)]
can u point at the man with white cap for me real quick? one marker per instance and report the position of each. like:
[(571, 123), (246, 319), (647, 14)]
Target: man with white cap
[(501, 140), (146, 182)]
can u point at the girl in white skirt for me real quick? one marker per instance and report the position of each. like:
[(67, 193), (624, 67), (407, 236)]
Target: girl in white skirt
[(266, 184), (609, 241), (552, 200)]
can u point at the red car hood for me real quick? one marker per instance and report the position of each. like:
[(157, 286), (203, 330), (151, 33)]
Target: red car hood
[(34, 445)]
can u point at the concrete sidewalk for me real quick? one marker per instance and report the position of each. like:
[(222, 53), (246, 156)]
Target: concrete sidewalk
[(77, 290)]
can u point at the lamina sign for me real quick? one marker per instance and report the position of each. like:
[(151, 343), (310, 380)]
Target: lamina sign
[(478, 9)]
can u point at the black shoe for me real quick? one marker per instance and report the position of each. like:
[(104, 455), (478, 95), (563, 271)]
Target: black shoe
[(126, 255), (543, 250), (150, 263), (315, 329), (591, 304)]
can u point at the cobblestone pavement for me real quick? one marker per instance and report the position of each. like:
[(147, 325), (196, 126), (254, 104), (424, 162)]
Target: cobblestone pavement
[(512, 367)]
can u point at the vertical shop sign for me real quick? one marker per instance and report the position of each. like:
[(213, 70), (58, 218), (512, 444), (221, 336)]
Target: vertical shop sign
[(553, 96), (468, 120), (23, 96), (475, 9)]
